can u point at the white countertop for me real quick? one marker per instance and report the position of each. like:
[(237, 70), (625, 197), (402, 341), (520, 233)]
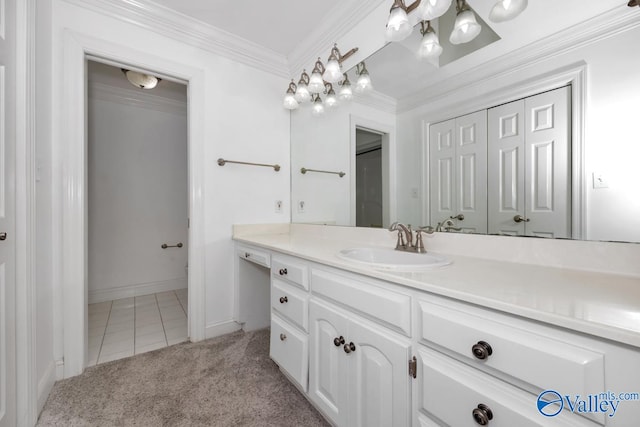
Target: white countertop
[(600, 304)]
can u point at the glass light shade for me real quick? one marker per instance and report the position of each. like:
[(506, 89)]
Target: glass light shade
[(290, 102), (332, 72), (345, 93), (143, 81), (505, 10), (465, 29), (316, 85), (331, 100), (302, 93), (364, 83), (318, 107), (429, 46), (432, 9), (398, 26)]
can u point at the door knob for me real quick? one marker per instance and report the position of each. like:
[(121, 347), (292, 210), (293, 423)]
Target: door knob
[(3, 236), (284, 300), (520, 218), (348, 348), (282, 271), (338, 341)]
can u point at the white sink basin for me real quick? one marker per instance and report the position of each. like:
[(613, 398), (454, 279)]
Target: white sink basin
[(391, 259)]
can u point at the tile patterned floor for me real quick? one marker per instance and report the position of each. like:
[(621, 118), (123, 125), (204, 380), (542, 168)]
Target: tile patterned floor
[(129, 326)]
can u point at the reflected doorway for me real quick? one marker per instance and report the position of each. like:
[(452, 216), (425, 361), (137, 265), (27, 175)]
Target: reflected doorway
[(369, 178)]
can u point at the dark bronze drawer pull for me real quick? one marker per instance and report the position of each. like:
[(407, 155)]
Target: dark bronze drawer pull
[(482, 350)]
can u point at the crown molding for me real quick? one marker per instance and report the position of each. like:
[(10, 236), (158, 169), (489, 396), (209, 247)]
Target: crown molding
[(136, 98), (342, 18), (377, 101), (169, 23), (603, 26)]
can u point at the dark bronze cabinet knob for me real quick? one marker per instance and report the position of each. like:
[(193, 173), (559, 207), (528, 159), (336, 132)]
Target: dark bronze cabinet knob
[(482, 414), (482, 350), (283, 337), (283, 271), (338, 341), (283, 300), (348, 348), (247, 254)]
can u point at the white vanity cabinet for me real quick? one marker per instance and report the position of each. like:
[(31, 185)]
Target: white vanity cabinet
[(358, 371)]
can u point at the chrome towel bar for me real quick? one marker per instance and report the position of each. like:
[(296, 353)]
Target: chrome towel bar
[(222, 162), (305, 170), (165, 246)]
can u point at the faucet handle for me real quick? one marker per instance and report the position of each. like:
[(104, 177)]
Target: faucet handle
[(426, 229)]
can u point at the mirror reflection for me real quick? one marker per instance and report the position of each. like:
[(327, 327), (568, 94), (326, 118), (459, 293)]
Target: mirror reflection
[(528, 130)]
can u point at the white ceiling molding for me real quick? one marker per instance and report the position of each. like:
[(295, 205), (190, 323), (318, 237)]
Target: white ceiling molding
[(136, 98), (339, 21), (606, 25), (177, 26), (378, 101)]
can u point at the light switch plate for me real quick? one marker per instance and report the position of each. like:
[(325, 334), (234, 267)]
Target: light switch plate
[(599, 180), (301, 206)]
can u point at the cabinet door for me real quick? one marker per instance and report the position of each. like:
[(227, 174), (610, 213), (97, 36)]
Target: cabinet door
[(506, 168), (379, 389), (327, 362), (441, 170), (548, 168), (471, 172)]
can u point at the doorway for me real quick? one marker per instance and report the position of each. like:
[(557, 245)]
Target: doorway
[(137, 213), (368, 178)]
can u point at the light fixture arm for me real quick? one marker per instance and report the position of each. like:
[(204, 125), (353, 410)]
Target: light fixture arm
[(346, 80), (328, 87), (400, 4), (292, 87), (318, 67), (304, 78), (336, 55), (429, 28), (461, 6), (361, 68)]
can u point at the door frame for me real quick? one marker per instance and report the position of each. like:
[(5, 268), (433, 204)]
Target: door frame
[(71, 144)]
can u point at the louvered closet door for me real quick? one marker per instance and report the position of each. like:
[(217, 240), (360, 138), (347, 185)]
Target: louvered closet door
[(506, 168), (548, 164), (471, 172), (442, 153)]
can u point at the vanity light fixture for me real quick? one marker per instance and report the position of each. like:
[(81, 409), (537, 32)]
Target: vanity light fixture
[(290, 102), (633, 3), (466, 28), (432, 9), (333, 71), (302, 91), (398, 25), (141, 80), (505, 10), (364, 80), (318, 107), (316, 84), (430, 45), (345, 93), (331, 100)]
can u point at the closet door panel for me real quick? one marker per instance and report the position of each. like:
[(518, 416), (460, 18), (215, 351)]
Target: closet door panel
[(506, 168), (442, 170), (548, 167)]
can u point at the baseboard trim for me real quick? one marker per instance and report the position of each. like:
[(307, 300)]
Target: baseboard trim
[(102, 295), (221, 328), (45, 384)]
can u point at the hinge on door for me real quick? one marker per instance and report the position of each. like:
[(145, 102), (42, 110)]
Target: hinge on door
[(413, 367)]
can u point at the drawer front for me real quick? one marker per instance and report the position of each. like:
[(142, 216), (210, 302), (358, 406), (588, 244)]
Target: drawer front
[(253, 255), (450, 391), (290, 302), (289, 348), (293, 271), (391, 308), (532, 357)]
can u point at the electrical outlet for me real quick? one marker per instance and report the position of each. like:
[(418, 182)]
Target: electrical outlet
[(599, 180), (301, 206), (278, 206)]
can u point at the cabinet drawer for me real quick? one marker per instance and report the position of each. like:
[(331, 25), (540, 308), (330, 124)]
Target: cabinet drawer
[(293, 271), (253, 255), (289, 349), (450, 391), (290, 302), (391, 308), (532, 355)]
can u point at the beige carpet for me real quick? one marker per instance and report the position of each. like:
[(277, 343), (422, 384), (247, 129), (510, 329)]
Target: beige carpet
[(225, 381)]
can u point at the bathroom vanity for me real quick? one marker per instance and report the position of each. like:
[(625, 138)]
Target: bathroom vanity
[(472, 343)]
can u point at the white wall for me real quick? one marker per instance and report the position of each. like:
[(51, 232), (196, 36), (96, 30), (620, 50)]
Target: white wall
[(244, 121), (611, 125), (324, 143), (138, 193)]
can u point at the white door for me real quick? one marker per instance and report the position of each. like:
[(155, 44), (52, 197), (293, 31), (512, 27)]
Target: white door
[(7, 217), (548, 168), (506, 168), (379, 393), (471, 172), (327, 361), (441, 171)]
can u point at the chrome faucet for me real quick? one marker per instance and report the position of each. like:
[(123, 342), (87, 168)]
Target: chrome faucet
[(447, 225), (405, 237)]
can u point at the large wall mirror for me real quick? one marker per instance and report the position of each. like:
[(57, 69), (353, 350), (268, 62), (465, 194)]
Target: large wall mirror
[(378, 158)]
